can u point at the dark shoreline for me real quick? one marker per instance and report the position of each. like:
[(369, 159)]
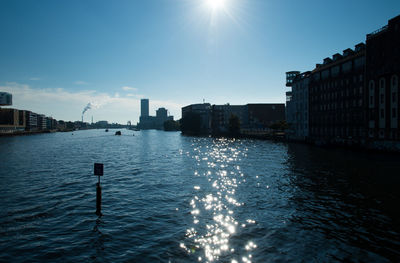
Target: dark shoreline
[(25, 133), (357, 147)]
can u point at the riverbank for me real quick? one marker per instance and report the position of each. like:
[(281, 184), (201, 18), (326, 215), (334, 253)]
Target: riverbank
[(24, 133)]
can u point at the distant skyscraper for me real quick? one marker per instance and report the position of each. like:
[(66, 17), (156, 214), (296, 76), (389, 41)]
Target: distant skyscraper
[(144, 107)]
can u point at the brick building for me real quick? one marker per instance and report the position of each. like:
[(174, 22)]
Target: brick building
[(382, 79), (336, 95)]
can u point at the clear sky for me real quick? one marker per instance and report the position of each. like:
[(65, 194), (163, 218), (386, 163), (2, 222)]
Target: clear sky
[(57, 56)]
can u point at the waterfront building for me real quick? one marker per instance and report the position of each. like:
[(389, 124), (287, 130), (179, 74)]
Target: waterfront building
[(144, 107), (12, 120), (289, 113), (297, 115), (102, 124), (336, 98), (51, 124), (31, 121), (382, 80), (147, 122), (41, 122), (353, 97), (215, 119), (5, 99), (222, 113), (204, 111), (263, 115)]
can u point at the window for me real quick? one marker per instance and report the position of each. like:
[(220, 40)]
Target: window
[(393, 112), (346, 67), (382, 98), (335, 71), (371, 86), (394, 97), (382, 83), (382, 113), (394, 81), (325, 74)]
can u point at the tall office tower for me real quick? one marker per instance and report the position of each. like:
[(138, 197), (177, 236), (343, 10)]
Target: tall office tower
[(144, 103)]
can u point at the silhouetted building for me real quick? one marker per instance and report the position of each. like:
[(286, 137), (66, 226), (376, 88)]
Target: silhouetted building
[(382, 80), (353, 96), (336, 94), (215, 119), (263, 115), (222, 113), (204, 111), (144, 107), (147, 122), (297, 105), (102, 124)]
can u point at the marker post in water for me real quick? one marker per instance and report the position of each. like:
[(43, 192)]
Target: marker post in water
[(98, 170)]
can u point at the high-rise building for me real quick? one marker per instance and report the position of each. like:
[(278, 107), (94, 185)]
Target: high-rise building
[(144, 109), (152, 122)]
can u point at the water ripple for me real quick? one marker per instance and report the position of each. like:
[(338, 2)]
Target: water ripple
[(171, 198)]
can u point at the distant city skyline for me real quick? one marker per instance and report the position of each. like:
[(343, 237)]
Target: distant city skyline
[(57, 57)]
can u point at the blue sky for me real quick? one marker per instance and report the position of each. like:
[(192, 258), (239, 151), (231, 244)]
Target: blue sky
[(57, 56)]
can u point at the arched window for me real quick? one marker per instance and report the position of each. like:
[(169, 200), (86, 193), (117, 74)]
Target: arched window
[(382, 83), (371, 94), (371, 85), (395, 81)]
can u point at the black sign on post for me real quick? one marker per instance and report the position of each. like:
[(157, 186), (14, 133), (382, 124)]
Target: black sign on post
[(98, 169)]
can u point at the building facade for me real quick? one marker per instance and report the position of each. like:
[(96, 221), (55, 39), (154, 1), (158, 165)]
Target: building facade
[(263, 115), (204, 111), (222, 113), (382, 81), (147, 122), (144, 107), (336, 98), (215, 119), (353, 97), (297, 105), (5, 99), (12, 120)]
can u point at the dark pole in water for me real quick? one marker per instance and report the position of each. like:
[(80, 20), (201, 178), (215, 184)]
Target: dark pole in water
[(98, 198), (98, 170)]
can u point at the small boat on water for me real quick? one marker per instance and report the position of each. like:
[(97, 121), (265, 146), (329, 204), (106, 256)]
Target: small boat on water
[(118, 133), (106, 130)]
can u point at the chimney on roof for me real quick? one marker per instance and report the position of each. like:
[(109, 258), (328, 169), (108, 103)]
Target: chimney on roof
[(359, 47), (336, 57), (327, 61), (347, 52)]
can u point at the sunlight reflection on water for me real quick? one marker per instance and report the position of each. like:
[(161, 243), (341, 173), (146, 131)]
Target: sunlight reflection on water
[(213, 208)]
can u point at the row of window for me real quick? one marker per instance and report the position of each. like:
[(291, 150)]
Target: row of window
[(338, 105), (336, 70), (337, 83)]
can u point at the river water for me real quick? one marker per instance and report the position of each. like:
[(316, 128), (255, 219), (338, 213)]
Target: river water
[(172, 198)]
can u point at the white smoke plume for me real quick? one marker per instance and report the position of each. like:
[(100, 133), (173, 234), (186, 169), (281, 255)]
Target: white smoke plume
[(89, 106)]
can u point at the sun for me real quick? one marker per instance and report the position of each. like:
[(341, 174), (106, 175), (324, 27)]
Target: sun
[(216, 4)]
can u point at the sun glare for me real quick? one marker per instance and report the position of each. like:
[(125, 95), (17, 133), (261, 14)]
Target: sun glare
[(216, 4)]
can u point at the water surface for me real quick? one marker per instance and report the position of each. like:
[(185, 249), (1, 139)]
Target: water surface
[(172, 198)]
